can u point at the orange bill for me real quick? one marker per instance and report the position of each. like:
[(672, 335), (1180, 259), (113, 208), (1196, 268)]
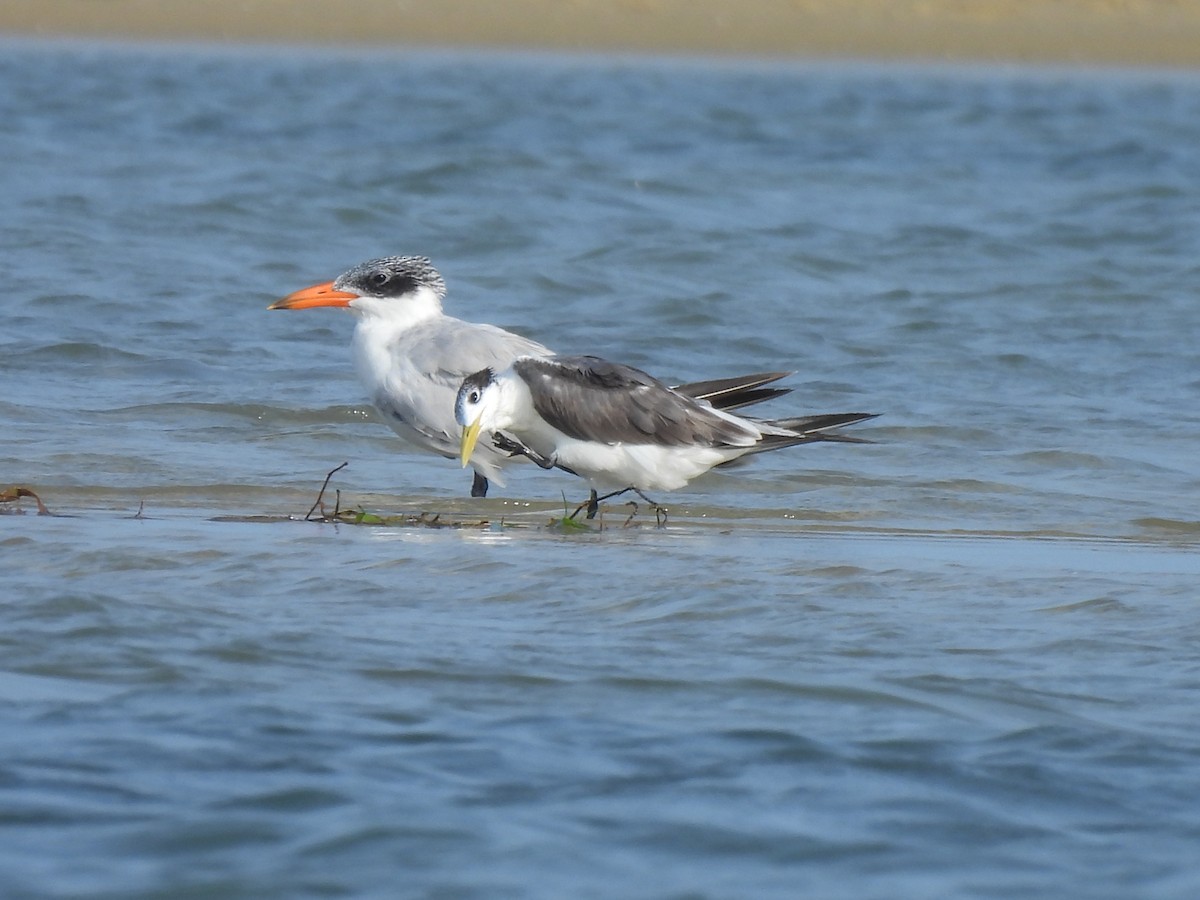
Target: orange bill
[(321, 294)]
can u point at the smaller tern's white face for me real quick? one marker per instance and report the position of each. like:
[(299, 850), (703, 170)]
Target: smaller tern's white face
[(474, 409)]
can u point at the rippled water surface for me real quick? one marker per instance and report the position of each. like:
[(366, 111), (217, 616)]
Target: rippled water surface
[(959, 661)]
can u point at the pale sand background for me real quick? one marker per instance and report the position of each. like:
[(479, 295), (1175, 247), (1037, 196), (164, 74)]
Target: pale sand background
[(1127, 32)]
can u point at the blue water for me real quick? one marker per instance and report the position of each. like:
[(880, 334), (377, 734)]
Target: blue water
[(959, 661)]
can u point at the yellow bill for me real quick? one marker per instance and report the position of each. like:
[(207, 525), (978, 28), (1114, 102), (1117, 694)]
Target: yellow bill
[(470, 436)]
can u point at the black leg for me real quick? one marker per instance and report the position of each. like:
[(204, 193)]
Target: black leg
[(591, 504), (512, 448), (586, 504), (479, 486)]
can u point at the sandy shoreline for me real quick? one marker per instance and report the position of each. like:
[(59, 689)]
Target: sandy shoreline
[(1105, 32)]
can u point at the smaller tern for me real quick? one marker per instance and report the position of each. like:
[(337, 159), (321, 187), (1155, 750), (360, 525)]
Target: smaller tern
[(411, 357), (616, 426)]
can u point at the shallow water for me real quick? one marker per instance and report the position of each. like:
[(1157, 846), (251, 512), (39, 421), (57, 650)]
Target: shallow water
[(959, 661)]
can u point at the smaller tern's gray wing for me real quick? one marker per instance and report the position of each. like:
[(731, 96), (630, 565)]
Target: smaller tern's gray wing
[(592, 399)]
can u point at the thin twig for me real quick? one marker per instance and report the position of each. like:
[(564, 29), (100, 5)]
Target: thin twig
[(321, 494)]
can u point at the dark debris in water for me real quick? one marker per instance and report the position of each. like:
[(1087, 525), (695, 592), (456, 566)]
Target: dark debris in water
[(420, 520), (13, 495), (13, 502), (360, 517), (1176, 526), (318, 512)]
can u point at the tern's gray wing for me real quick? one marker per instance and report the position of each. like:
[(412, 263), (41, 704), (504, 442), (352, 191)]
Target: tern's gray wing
[(430, 361), (592, 399), (449, 349)]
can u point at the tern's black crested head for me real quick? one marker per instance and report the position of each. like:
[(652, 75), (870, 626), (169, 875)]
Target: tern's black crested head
[(470, 392), (477, 381), (392, 276)]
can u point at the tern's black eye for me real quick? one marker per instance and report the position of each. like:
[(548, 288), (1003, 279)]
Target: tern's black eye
[(379, 279), (473, 397)]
